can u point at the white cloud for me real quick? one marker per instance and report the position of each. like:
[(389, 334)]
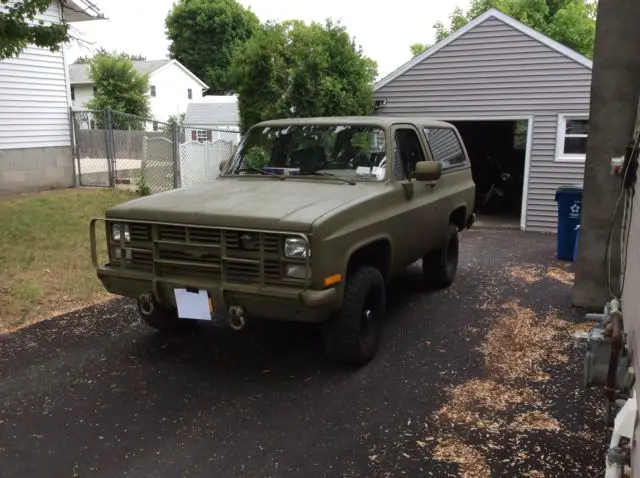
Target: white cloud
[(385, 32)]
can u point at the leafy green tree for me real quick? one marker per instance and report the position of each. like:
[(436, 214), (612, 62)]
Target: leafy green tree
[(418, 48), (104, 52), (119, 87), (570, 22), (176, 120), (203, 35), (291, 69), (18, 29)]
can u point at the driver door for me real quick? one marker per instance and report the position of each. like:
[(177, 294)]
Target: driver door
[(417, 204)]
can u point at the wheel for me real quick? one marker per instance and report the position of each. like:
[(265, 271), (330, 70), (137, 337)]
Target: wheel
[(353, 335), (439, 267), (161, 318)]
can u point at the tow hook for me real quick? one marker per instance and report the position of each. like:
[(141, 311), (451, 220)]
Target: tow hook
[(236, 317), (146, 304)]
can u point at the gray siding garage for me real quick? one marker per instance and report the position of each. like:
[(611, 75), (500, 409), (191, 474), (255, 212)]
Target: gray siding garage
[(498, 69)]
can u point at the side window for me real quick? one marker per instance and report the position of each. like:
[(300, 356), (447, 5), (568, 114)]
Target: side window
[(445, 147), (407, 152)]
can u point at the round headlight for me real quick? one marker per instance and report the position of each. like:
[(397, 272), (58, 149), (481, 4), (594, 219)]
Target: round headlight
[(296, 247)]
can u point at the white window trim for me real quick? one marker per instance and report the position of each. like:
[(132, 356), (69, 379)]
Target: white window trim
[(199, 133), (560, 137)]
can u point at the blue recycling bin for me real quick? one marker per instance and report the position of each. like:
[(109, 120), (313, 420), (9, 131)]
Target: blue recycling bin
[(569, 199)]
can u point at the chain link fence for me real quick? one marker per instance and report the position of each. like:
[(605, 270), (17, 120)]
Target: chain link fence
[(114, 149)]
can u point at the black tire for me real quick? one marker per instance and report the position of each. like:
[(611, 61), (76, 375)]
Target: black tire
[(440, 266), (163, 319), (353, 335)]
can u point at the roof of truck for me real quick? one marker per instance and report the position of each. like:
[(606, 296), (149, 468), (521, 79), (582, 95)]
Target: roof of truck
[(382, 121)]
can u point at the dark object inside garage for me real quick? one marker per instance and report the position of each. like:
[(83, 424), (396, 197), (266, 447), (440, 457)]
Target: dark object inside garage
[(497, 153)]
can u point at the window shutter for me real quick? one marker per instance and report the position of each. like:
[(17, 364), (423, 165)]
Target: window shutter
[(208, 135), (194, 135)]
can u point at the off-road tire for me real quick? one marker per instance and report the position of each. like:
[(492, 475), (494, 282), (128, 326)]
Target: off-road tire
[(163, 319), (353, 335), (439, 267)]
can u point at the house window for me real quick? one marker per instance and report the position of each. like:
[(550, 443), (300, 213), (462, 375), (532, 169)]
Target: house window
[(201, 135), (573, 131), (445, 147), (153, 90), (190, 93), (73, 94)]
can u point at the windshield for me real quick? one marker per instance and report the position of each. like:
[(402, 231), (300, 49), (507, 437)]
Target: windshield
[(351, 152)]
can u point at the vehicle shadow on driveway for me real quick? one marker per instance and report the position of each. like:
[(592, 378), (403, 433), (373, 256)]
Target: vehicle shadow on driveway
[(282, 350)]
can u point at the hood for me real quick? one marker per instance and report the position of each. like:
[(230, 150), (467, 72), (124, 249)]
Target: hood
[(252, 203)]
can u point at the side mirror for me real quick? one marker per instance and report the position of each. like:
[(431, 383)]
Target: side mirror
[(427, 171)]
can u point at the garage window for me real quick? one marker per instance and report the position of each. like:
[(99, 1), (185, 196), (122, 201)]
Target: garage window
[(445, 147), (573, 132)]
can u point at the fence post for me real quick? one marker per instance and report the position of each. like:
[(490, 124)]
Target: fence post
[(107, 146), (75, 157), (177, 180)]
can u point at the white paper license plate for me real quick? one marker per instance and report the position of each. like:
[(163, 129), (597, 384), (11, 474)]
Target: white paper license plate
[(193, 304)]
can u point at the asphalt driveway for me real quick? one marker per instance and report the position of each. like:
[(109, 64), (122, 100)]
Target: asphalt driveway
[(95, 393)]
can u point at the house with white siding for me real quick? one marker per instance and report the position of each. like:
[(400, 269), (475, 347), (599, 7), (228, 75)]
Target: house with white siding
[(520, 101), (214, 117), (35, 138), (172, 87)]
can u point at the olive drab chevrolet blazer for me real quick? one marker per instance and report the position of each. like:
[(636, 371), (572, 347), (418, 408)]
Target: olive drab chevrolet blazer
[(307, 221)]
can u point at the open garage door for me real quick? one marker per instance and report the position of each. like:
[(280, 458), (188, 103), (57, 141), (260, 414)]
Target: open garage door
[(498, 153)]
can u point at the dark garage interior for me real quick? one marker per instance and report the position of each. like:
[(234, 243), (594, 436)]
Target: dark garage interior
[(497, 153)]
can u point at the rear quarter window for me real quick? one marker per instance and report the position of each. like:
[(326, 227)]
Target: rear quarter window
[(445, 147)]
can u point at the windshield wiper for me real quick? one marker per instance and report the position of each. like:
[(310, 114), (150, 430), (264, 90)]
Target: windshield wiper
[(253, 168), (321, 173)]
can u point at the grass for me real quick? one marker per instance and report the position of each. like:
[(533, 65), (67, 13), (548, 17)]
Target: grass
[(45, 253)]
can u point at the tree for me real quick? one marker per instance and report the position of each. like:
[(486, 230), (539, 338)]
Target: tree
[(292, 69), (570, 22), (203, 35), (176, 120), (418, 48), (103, 52), (119, 87), (18, 28)]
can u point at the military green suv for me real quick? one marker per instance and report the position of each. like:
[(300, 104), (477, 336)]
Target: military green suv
[(307, 221)]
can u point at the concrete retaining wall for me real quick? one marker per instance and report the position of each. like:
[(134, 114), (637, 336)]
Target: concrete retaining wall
[(35, 169)]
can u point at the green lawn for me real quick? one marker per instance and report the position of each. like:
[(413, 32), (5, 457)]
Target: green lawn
[(45, 259)]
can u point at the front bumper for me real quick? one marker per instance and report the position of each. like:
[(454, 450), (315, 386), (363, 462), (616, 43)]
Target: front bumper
[(232, 276), (269, 303)]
